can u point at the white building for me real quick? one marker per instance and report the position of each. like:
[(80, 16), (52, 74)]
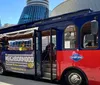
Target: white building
[(7, 25), (75, 5)]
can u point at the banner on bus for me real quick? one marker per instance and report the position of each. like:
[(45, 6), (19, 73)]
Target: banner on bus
[(20, 62)]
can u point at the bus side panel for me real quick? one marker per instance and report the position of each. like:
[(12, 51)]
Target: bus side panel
[(19, 61), (89, 63), (63, 62), (2, 58)]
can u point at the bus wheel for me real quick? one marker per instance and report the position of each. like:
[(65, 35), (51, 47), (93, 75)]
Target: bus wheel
[(1, 70), (73, 77)]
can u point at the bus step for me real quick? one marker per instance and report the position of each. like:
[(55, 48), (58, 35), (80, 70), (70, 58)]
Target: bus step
[(48, 75), (48, 65), (49, 70), (46, 78)]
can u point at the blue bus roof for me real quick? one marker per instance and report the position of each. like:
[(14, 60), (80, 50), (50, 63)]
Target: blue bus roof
[(67, 17)]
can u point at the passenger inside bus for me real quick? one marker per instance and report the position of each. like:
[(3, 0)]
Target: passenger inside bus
[(48, 53), (22, 47)]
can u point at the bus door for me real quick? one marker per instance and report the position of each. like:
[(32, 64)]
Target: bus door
[(37, 52), (45, 54), (49, 54)]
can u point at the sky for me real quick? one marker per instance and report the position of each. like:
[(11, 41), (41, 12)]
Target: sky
[(10, 10)]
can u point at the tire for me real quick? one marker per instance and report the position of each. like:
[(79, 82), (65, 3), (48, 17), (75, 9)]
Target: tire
[(1, 69), (73, 77)]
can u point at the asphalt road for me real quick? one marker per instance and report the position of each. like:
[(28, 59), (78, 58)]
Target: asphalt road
[(17, 79)]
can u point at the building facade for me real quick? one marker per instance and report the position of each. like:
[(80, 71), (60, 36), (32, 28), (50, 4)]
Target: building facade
[(75, 5), (7, 25), (35, 10)]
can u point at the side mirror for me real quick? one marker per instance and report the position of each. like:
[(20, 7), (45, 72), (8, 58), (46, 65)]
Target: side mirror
[(94, 27)]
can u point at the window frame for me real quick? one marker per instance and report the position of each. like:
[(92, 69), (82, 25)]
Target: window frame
[(81, 40), (76, 28)]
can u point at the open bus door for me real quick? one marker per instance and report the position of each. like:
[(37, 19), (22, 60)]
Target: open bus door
[(37, 52), (53, 40), (45, 54)]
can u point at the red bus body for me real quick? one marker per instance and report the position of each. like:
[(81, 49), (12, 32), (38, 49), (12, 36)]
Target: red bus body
[(90, 64)]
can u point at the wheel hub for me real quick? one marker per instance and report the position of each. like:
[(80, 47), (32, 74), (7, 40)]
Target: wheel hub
[(74, 79)]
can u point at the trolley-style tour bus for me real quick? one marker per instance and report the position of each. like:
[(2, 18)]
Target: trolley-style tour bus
[(65, 48)]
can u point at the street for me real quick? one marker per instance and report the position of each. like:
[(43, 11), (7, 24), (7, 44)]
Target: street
[(17, 79)]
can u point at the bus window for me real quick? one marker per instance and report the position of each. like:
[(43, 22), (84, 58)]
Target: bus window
[(70, 37), (16, 44), (88, 40)]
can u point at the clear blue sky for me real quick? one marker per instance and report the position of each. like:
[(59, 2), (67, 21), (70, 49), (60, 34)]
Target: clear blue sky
[(10, 10)]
